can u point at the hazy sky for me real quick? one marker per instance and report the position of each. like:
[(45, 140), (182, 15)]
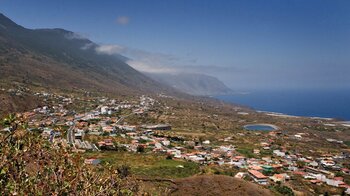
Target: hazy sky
[(248, 44)]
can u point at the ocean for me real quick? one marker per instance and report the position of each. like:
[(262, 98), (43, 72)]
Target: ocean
[(312, 103)]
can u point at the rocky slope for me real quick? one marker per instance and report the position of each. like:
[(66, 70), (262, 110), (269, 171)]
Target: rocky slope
[(57, 58)]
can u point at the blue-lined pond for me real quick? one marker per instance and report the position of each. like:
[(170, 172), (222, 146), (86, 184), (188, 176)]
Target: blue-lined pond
[(260, 127)]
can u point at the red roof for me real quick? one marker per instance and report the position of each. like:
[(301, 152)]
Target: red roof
[(338, 178), (276, 166), (315, 181), (345, 169), (299, 173), (344, 185), (257, 174)]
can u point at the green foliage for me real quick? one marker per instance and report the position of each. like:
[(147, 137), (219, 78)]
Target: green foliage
[(30, 165), (150, 165), (284, 190), (347, 143), (246, 152), (168, 169), (301, 164), (268, 173)]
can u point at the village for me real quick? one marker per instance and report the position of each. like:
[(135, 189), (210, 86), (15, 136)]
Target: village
[(104, 128)]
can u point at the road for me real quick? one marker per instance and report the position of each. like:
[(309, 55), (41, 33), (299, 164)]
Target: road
[(122, 118), (70, 134)]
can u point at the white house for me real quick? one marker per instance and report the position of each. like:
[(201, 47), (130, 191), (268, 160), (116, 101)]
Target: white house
[(92, 161), (104, 109), (279, 153)]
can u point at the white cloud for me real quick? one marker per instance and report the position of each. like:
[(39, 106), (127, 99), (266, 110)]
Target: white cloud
[(148, 67), (87, 46), (73, 35), (151, 62), (123, 20), (109, 49)]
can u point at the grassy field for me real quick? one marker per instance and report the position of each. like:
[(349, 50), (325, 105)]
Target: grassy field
[(148, 165)]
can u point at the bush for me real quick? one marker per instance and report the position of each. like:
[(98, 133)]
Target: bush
[(29, 165), (123, 171), (284, 190), (140, 149)]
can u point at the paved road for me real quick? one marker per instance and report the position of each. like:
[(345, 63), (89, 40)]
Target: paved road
[(122, 118), (70, 134)]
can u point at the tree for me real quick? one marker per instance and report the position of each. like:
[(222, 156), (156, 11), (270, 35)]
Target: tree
[(123, 171), (140, 149)]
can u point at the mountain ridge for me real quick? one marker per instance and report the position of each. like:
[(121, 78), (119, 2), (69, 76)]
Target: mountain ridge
[(192, 83), (58, 58)]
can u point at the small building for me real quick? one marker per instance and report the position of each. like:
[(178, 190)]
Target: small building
[(279, 177), (128, 128), (104, 109), (206, 142), (240, 175), (267, 168), (79, 134), (166, 142), (279, 153), (258, 177), (92, 161)]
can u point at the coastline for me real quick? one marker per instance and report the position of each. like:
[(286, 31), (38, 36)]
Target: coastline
[(277, 114), (296, 104)]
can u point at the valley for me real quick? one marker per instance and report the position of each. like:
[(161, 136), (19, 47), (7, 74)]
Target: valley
[(193, 138), (78, 120)]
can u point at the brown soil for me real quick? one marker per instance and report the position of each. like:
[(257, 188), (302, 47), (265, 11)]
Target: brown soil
[(12, 103)]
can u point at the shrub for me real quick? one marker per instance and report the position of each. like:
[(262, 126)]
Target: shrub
[(284, 190), (30, 165)]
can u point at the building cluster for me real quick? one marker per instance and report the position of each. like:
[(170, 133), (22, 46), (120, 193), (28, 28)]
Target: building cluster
[(266, 163)]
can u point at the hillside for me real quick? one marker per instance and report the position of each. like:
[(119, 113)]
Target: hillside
[(14, 102), (217, 185), (57, 58), (191, 83)]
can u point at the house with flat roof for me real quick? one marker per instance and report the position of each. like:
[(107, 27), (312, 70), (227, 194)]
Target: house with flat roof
[(92, 161)]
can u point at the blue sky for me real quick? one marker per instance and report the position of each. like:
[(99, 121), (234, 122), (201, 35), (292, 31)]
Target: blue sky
[(255, 44)]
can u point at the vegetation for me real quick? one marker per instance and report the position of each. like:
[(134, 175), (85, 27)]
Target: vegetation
[(148, 165), (30, 165), (246, 152), (284, 190), (347, 143)]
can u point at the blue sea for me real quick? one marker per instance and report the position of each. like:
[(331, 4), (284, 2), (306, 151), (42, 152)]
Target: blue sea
[(312, 103)]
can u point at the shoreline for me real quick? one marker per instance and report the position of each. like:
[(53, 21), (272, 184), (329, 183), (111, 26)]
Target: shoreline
[(278, 114), (345, 123), (311, 115)]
